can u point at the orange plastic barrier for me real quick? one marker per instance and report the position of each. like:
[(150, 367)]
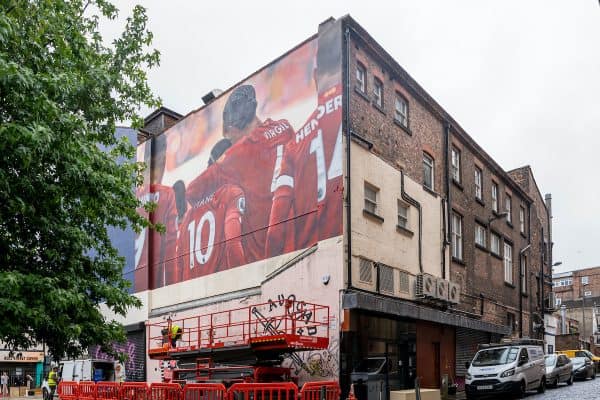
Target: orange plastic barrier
[(134, 391), (68, 390), (204, 391), (315, 390), (87, 390), (165, 391), (263, 391), (107, 391)]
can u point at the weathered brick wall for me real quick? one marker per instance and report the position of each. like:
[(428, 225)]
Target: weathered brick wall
[(569, 341)]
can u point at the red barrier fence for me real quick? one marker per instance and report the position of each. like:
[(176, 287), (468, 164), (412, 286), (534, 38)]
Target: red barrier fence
[(263, 391), (87, 390), (68, 390), (316, 390), (204, 391), (134, 391), (327, 390), (165, 391)]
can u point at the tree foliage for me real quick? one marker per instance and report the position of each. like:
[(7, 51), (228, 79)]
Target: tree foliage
[(62, 89)]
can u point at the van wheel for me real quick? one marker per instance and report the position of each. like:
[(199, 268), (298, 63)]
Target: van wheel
[(45, 394), (570, 381), (554, 383), (520, 391), (542, 387), (594, 375)]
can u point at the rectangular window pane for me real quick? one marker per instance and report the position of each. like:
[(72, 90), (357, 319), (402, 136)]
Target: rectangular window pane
[(457, 236), (360, 77), (456, 165), (401, 111), (508, 207), (428, 171), (478, 192), (378, 92), (508, 271), (480, 233), (522, 220), (402, 215), (524, 276), (495, 197), (495, 244), (371, 198)]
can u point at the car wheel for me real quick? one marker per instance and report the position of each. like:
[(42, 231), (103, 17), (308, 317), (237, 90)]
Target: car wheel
[(593, 375), (570, 381), (520, 391), (555, 383), (542, 387), (45, 394)]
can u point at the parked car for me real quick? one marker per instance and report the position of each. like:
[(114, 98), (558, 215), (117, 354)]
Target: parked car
[(582, 353), (559, 369), (583, 368), (506, 368)]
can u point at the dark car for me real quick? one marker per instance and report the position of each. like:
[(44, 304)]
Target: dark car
[(583, 368), (559, 369)]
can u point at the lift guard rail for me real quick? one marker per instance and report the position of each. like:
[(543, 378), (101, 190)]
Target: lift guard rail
[(326, 390)]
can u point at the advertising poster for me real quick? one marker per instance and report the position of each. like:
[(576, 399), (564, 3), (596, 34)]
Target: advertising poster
[(255, 174)]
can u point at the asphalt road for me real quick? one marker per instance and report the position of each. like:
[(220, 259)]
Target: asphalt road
[(581, 390)]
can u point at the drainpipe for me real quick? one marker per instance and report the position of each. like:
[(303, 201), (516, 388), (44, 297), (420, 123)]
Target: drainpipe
[(523, 250), (448, 196), (417, 205), (346, 67)]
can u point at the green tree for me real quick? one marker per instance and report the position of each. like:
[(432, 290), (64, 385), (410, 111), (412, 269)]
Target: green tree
[(62, 89)]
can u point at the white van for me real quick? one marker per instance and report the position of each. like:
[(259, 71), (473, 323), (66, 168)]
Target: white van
[(510, 368), (81, 370)]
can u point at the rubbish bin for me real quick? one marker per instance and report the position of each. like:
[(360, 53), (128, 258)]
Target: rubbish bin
[(369, 379)]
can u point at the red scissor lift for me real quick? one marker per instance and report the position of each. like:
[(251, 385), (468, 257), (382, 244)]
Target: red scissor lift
[(243, 345)]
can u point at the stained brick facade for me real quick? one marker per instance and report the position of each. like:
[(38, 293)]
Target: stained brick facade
[(486, 294)]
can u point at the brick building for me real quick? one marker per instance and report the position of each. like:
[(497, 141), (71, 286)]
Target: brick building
[(433, 234), (577, 295)]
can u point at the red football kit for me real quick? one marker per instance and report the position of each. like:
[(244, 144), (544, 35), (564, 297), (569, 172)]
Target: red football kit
[(210, 236), (251, 163), (157, 261), (310, 180)]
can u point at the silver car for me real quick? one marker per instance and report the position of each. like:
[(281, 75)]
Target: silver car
[(558, 369)]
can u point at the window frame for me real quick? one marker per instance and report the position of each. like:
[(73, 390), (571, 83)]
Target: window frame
[(404, 118), (508, 263), (378, 97), (403, 205), (371, 202), (478, 187), (480, 228), (522, 219), (495, 197), (361, 84), (457, 236), (492, 236), (430, 161), (455, 164), (585, 280), (508, 207)]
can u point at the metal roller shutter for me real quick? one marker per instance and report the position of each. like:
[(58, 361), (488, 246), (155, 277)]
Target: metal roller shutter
[(466, 346)]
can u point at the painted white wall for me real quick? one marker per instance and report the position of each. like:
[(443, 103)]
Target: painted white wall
[(380, 241)]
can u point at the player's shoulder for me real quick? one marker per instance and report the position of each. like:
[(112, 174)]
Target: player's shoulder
[(228, 191), (274, 130)]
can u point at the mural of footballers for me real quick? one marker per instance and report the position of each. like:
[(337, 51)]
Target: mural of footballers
[(309, 180), (159, 248), (237, 183)]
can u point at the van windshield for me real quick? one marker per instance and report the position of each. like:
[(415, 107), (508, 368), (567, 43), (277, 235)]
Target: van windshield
[(495, 356)]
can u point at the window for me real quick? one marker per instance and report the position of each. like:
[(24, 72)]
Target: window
[(402, 215), (478, 184), (495, 197), (557, 301), (480, 233), (495, 244), (404, 282), (508, 208), (378, 93), (563, 282), (508, 263), (386, 278), (361, 82), (401, 110), (428, 171), (524, 276), (371, 198), (585, 280), (457, 245), (365, 270), (455, 167), (522, 219), (587, 293)]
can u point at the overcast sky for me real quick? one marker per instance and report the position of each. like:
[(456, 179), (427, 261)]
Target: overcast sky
[(521, 77)]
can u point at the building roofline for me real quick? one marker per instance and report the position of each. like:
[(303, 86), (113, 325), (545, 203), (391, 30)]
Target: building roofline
[(433, 105), (537, 188), (163, 110)]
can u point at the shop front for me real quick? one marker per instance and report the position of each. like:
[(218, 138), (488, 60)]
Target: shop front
[(18, 365)]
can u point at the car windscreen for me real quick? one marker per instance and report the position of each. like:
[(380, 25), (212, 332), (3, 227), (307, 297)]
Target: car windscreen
[(550, 360), (495, 356), (581, 353)]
